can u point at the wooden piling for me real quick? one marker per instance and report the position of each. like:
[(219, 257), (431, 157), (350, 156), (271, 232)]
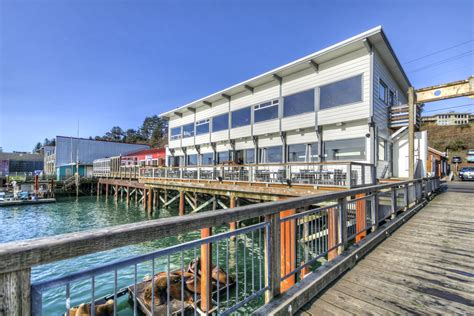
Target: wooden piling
[(144, 198), (15, 292), (106, 191), (128, 196), (333, 220), (360, 217), (181, 203), (150, 201), (206, 270), (232, 202)]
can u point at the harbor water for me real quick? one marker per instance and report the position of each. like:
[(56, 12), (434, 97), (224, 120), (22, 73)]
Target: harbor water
[(86, 213)]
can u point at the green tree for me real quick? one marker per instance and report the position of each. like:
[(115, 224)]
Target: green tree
[(132, 136), (37, 147), (115, 134), (154, 129)]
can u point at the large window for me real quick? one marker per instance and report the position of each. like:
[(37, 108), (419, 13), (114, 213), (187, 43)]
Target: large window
[(191, 160), (241, 117), (207, 159), (175, 133), (249, 156), (297, 153), (383, 91), (265, 111), (346, 149), (202, 127), (223, 156), (271, 154), (299, 103), (220, 122), (314, 152), (188, 130), (342, 92)]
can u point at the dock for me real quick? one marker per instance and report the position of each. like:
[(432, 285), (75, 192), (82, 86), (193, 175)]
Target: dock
[(425, 267), (27, 202)]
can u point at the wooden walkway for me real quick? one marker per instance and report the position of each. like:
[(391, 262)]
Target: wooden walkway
[(425, 267)]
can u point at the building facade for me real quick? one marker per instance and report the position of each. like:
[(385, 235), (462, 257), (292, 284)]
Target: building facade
[(19, 163), (71, 154), (451, 118), (332, 105)]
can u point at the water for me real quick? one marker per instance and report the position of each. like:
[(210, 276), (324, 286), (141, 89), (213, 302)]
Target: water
[(71, 215)]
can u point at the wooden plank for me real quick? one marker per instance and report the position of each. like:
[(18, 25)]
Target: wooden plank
[(15, 293), (287, 250), (325, 308), (206, 271)]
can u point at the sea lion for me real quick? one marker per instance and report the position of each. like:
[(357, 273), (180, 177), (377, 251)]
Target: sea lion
[(160, 290), (100, 310), (218, 275)]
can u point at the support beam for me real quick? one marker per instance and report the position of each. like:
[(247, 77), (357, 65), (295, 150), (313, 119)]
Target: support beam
[(315, 65), (207, 103), (361, 218), (462, 88), (178, 114), (411, 132), (277, 78), (226, 96), (249, 88), (128, 196), (333, 221), (367, 45), (150, 201), (232, 202)]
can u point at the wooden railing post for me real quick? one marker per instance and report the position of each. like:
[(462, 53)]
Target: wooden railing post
[(206, 270), (15, 298), (374, 210), (333, 223), (361, 221), (405, 198), (342, 227), (272, 257)]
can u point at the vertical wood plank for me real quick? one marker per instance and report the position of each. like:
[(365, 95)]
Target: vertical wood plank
[(15, 296), (288, 249), (332, 232), (181, 203), (360, 217), (206, 270)]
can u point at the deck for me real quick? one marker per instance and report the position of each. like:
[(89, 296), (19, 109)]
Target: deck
[(425, 267)]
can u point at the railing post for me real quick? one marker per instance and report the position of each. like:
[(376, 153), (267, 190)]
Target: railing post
[(272, 257), (393, 202), (206, 271), (406, 200), (374, 211), (332, 224), (349, 176), (362, 172), (342, 226), (15, 298)]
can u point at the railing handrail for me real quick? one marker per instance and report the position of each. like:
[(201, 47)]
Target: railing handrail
[(24, 254)]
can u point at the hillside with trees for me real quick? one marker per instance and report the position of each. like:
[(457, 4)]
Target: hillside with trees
[(454, 139)]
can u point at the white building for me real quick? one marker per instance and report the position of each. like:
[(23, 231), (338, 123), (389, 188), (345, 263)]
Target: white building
[(331, 105), (451, 118)]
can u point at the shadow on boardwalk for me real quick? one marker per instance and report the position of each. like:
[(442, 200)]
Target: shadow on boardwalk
[(425, 267)]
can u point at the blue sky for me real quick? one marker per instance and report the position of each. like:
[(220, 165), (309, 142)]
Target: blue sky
[(105, 63)]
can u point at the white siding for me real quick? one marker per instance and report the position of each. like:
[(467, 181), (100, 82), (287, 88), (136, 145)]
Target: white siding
[(298, 121), (220, 136), (188, 141), (206, 149), (174, 143), (266, 127), (381, 110), (239, 132), (303, 137), (203, 139), (244, 144), (348, 130), (261, 94), (274, 140)]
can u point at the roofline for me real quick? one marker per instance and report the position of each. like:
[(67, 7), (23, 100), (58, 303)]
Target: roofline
[(97, 140), (351, 40), (395, 57), (443, 154)]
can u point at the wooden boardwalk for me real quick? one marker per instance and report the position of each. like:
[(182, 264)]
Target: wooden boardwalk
[(425, 267)]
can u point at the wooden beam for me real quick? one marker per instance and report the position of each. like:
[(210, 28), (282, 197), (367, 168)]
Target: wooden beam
[(181, 203), (462, 88), (226, 96), (178, 114), (315, 65), (278, 78), (361, 218), (15, 292), (249, 88), (207, 103), (206, 271)]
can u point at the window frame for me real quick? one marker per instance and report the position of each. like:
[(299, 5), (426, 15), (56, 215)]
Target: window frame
[(192, 132), (202, 123), (265, 105), (219, 116), (293, 94), (361, 75), (177, 136), (249, 108), (385, 96)]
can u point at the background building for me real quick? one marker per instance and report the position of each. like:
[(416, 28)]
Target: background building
[(17, 163), (451, 118), (70, 152)]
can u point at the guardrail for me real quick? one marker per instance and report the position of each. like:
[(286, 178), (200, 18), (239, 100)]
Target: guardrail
[(335, 174), (296, 236)]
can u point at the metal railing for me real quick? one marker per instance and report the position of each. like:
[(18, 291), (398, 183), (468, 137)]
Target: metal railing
[(336, 174), (309, 230)]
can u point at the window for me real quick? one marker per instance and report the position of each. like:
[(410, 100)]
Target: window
[(271, 154), (298, 103), (383, 149), (222, 156), (249, 156), (383, 91), (297, 153), (191, 160), (202, 127), (314, 152), (265, 111), (175, 133), (241, 117), (391, 98), (220, 122), (188, 130), (346, 149), (207, 159), (342, 92)]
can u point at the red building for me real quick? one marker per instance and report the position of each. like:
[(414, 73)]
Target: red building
[(145, 157)]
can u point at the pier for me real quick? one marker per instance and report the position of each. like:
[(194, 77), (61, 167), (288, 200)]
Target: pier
[(293, 249)]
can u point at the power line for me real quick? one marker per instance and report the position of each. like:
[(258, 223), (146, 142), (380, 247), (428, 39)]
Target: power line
[(451, 107), (443, 61), (439, 51)]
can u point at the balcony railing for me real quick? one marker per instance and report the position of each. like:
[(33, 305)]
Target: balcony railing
[(337, 174)]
